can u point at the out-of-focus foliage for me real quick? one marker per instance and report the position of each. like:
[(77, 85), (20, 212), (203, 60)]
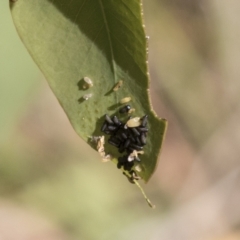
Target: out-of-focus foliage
[(18, 74), (194, 66)]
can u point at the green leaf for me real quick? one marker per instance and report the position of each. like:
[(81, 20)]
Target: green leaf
[(100, 39)]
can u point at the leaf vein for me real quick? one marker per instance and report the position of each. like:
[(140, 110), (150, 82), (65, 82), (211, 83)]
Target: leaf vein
[(75, 20), (109, 39), (131, 55)]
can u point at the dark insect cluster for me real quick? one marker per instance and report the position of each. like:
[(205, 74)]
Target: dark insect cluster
[(126, 139)]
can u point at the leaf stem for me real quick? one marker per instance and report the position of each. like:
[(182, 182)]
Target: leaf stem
[(144, 194)]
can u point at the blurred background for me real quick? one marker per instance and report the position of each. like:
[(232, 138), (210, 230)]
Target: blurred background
[(53, 186)]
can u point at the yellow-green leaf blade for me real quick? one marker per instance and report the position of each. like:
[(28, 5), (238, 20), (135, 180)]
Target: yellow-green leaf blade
[(103, 40)]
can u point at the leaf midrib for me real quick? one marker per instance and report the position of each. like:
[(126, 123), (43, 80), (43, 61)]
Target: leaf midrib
[(109, 40)]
